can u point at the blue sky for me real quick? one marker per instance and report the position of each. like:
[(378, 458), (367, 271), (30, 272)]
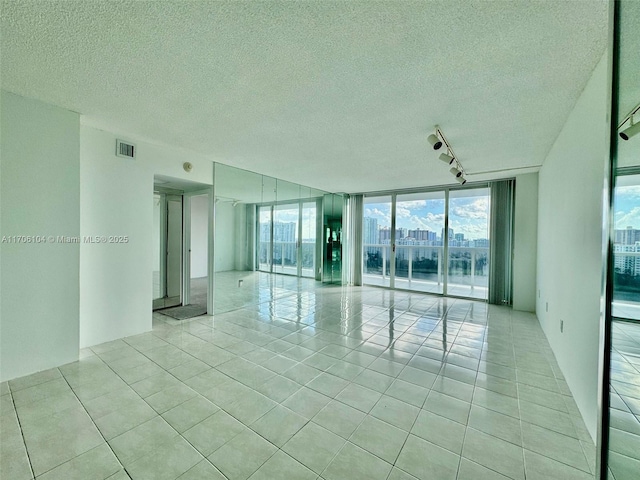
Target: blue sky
[(468, 215), (627, 207), (289, 213)]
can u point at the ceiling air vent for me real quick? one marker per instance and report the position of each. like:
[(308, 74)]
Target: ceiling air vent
[(124, 149)]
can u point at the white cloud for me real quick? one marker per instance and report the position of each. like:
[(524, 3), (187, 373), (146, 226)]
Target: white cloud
[(402, 212), (631, 192), (412, 204), (375, 212), (478, 209), (626, 219)]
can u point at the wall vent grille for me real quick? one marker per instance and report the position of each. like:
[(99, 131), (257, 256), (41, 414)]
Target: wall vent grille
[(124, 149)]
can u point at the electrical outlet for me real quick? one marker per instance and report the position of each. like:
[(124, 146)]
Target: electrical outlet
[(547, 306), (561, 326)]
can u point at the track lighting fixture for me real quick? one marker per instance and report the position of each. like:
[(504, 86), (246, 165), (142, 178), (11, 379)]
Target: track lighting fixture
[(448, 159), (435, 142), (633, 128)]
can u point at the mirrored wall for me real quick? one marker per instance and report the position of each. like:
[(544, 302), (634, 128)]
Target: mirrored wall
[(621, 422), (268, 238)]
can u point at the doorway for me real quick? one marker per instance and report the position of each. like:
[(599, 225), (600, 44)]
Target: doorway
[(167, 272), (182, 242)]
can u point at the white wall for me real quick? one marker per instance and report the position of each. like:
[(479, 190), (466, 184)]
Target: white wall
[(569, 265), (117, 199), (199, 235), (525, 242), (225, 236), (40, 195)]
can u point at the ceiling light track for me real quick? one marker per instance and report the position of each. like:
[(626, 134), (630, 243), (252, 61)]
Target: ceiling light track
[(436, 140), (501, 170)]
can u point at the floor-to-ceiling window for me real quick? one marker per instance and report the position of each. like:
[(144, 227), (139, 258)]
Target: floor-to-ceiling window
[(468, 261), (264, 237), (419, 246), (376, 241), (287, 238), (626, 248), (309, 227), (434, 241)]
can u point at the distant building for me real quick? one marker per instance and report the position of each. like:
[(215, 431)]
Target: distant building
[(384, 236), (422, 235), (629, 264), (627, 236), (370, 231), (450, 235)]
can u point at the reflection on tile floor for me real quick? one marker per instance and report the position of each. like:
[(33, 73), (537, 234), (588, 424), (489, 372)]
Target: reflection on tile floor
[(327, 383), (624, 432)]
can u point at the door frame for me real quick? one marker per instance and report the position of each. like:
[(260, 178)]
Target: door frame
[(164, 301)]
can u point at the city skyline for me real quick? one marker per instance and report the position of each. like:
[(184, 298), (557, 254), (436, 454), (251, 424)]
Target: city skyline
[(468, 215)]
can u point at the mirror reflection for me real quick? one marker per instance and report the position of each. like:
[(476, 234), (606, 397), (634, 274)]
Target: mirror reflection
[(267, 233), (623, 455)]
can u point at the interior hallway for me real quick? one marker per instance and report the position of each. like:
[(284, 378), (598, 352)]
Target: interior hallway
[(319, 383)]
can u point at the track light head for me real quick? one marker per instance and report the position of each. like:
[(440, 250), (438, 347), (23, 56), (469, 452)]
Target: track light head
[(627, 133), (435, 142), (461, 180), (448, 159), (455, 172)]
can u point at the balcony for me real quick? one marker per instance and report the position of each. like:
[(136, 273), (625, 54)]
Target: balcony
[(420, 268), (285, 257)]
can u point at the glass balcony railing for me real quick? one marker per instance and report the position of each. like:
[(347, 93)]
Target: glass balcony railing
[(420, 268), (626, 285), (285, 257)]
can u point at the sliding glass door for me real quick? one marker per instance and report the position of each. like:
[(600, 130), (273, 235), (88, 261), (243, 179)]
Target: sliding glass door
[(468, 272), (419, 246), (287, 239), (376, 241), (436, 242), (308, 227), (265, 225)]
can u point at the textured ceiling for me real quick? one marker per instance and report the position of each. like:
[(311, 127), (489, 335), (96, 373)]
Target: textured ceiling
[(335, 95)]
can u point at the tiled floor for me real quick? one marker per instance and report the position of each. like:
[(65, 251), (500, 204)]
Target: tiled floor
[(624, 441), (332, 383)]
